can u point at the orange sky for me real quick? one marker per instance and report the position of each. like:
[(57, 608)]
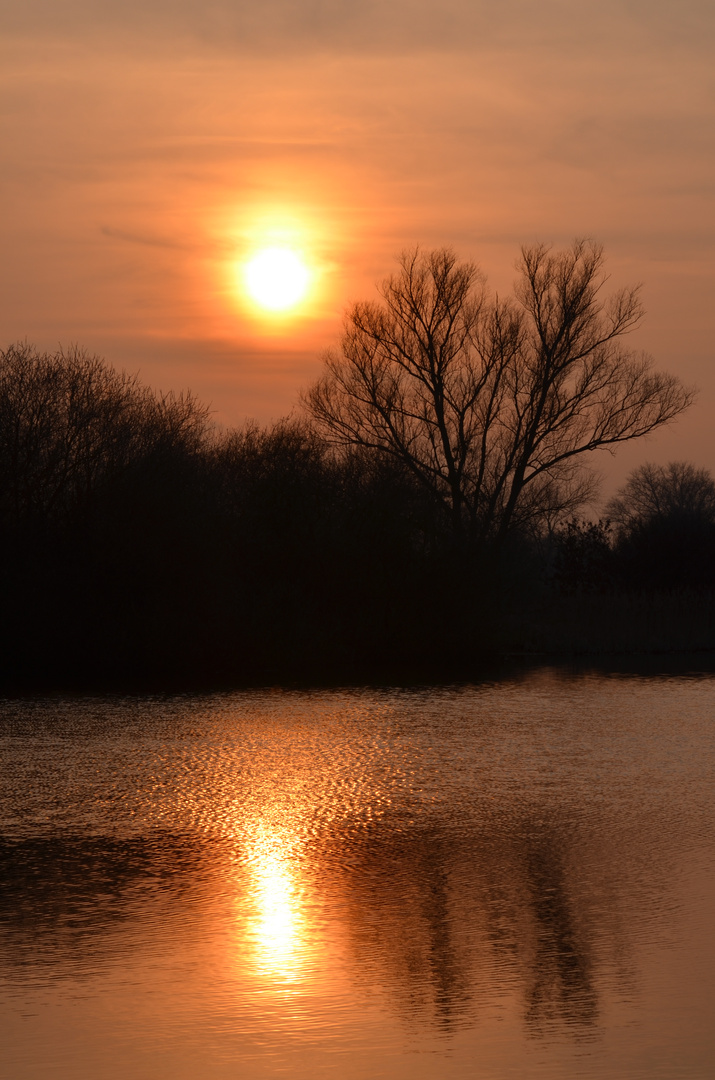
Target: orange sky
[(145, 152)]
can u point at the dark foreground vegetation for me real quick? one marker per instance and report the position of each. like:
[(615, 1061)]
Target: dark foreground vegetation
[(416, 520)]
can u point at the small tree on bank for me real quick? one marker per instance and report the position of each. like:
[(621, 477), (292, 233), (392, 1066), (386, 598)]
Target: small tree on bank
[(664, 516), (677, 492), (492, 404)]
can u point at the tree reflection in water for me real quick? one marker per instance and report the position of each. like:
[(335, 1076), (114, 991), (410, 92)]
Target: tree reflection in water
[(561, 961), (450, 926)]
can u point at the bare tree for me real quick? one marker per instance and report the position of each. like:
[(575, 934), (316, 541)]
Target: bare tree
[(69, 422), (492, 404), (677, 490)]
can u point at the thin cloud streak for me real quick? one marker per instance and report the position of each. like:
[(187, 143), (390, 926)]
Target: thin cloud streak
[(376, 26)]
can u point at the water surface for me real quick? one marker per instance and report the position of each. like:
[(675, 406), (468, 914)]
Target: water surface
[(512, 879)]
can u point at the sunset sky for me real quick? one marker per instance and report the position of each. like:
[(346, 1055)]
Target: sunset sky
[(150, 148)]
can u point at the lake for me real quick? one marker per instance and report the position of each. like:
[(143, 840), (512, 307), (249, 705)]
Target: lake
[(510, 879)]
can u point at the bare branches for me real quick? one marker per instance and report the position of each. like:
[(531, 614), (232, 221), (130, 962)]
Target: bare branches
[(677, 491), (69, 421), (491, 405)]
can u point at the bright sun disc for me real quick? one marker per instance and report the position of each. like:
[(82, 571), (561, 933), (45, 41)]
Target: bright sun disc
[(277, 278)]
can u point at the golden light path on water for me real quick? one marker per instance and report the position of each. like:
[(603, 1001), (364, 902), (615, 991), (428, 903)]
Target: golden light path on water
[(281, 938), (277, 929)]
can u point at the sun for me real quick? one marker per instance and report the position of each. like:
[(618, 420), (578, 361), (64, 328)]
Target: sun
[(277, 278)]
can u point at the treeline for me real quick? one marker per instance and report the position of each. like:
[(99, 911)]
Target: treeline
[(141, 546)]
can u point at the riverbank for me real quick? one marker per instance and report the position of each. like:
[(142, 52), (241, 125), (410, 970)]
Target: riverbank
[(547, 627)]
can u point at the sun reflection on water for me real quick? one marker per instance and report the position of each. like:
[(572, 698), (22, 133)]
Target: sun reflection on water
[(277, 926)]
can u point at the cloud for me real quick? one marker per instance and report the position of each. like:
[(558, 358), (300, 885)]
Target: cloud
[(144, 239), (375, 26)]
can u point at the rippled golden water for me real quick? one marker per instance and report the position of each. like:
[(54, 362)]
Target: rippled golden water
[(513, 879)]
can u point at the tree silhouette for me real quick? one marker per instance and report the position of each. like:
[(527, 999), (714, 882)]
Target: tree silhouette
[(492, 404), (70, 423), (665, 527), (676, 490)]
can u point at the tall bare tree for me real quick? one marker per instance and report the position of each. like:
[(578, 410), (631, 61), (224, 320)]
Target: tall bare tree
[(492, 404)]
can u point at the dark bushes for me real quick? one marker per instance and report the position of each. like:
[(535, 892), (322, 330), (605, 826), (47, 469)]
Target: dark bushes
[(583, 558), (141, 546)]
